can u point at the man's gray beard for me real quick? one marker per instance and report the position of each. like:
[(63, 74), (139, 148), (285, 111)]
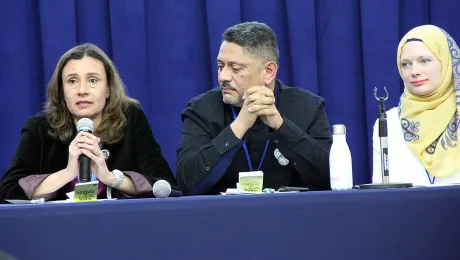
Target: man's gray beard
[(232, 101)]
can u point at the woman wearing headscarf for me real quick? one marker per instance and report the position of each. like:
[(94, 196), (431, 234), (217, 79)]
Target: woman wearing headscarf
[(423, 129)]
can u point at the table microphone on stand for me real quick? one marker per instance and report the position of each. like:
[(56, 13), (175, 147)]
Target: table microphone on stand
[(383, 135)]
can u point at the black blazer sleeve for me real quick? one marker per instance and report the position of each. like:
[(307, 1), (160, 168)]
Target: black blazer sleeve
[(308, 149), (199, 153), (25, 162), (150, 160)]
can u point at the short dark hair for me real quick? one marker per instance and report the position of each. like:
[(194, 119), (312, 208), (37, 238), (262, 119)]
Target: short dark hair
[(256, 38)]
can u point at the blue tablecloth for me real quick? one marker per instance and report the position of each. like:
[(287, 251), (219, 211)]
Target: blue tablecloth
[(417, 223)]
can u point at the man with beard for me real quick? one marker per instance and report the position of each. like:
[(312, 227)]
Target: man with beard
[(253, 122)]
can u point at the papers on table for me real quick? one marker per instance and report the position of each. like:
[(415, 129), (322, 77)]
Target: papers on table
[(86, 192), (238, 191), (437, 185), (39, 201), (249, 183)]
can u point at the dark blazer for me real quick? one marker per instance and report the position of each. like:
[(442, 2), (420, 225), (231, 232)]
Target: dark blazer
[(209, 151), (38, 155)]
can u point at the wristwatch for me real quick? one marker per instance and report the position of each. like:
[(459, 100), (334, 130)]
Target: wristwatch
[(119, 178)]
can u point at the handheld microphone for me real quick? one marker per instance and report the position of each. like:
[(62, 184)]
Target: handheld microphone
[(85, 125), (162, 189)]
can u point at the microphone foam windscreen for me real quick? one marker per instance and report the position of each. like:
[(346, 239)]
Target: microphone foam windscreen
[(85, 124), (161, 189)]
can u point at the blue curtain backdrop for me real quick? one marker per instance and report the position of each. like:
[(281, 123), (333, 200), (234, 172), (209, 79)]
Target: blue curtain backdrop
[(166, 51)]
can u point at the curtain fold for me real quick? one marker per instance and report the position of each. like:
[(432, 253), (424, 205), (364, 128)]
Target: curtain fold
[(166, 52)]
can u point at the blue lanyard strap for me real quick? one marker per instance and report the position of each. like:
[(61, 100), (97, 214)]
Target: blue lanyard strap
[(428, 175), (246, 152)]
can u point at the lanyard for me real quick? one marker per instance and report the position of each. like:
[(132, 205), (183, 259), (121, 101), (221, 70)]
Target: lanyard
[(428, 175), (246, 152)]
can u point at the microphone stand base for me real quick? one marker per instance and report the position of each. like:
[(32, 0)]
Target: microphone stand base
[(392, 185)]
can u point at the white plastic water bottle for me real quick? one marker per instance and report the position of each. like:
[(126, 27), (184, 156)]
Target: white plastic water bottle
[(340, 165)]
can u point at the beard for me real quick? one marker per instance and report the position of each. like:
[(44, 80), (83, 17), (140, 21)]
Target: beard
[(233, 98)]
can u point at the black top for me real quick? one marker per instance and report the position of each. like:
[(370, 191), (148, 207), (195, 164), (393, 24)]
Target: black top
[(207, 142), (39, 153)]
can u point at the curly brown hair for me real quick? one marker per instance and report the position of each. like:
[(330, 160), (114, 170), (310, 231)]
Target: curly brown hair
[(113, 121)]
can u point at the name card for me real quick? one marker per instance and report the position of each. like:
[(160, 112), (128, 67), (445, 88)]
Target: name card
[(251, 182), (86, 191)]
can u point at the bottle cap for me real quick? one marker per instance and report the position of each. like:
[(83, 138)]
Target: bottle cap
[(339, 130)]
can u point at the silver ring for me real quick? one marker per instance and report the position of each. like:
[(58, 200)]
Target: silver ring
[(106, 153)]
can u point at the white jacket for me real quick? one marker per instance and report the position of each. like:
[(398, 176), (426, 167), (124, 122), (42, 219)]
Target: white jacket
[(403, 165)]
